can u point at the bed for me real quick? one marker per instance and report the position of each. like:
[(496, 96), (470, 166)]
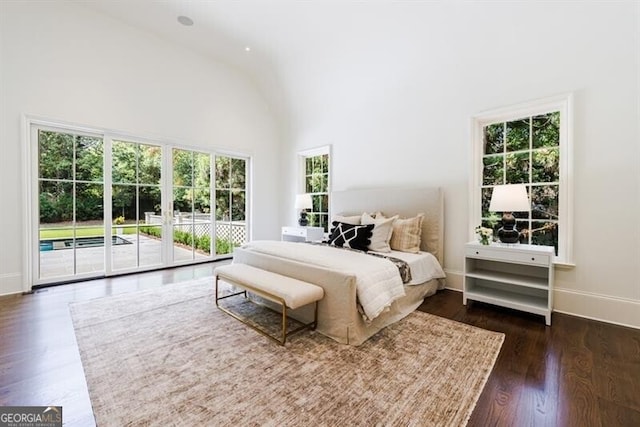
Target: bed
[(340, 313)]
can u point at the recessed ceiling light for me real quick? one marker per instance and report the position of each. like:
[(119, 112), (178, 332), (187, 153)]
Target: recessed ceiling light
[(185, 20), (247, 48)]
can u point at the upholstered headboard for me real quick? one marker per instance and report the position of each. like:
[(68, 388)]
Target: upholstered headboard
[(406, 202)]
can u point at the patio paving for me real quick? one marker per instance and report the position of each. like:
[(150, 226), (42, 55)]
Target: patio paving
[(59, 263)]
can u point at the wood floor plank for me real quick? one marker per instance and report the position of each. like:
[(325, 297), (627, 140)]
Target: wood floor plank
[(613, 414)]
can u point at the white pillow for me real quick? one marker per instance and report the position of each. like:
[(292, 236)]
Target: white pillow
[(381, 234), (352, 220)]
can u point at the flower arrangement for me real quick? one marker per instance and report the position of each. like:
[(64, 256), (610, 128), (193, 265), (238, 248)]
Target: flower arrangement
[(119, 220), (485, 235)]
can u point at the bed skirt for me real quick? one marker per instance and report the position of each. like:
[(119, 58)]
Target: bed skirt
[(338, 315)]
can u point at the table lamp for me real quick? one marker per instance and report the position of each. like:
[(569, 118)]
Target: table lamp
[(303, 202), (507, 199)]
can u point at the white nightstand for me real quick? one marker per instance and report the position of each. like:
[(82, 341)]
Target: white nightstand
[(302, 234), (515, 276)]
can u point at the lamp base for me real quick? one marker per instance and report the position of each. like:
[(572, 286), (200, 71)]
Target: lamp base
[(508, 233), (303, 221)]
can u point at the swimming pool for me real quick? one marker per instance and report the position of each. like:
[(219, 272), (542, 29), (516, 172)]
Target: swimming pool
[(81, 242)]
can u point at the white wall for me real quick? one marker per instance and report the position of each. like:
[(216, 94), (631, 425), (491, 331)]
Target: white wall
[(66, 63), (395, 100)]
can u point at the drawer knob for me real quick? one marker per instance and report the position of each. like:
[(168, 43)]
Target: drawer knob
[(533, 259), (477, 253)]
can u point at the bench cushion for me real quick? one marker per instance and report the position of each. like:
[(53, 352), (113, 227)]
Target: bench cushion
[(294, 292)]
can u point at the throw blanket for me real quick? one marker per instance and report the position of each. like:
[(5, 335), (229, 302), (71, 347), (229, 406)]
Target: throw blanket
[(402, 266), (378, 283)]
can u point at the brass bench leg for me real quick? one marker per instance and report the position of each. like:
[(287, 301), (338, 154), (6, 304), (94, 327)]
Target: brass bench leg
[(218, 298), (284, 324)]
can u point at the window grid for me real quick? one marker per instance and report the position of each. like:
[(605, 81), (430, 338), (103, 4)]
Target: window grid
[(543, 228), (316, 183)]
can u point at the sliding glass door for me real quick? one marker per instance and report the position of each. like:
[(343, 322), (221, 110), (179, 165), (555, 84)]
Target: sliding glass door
[(108, 205), (231, 203), (194, 225), (70, 205), (136, 205), (192, 218)]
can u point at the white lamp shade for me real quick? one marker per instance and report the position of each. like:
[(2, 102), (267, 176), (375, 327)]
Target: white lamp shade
[(509, 198), (303, 201)]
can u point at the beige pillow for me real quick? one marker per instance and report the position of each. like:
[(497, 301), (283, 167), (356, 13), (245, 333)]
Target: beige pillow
[(352, 219), (407, 234), (381, 234)]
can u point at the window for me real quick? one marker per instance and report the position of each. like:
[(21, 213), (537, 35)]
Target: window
[(315, 168), (528, 145)]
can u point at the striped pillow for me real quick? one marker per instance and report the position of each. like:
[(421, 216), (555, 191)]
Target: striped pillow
[(407, 234)]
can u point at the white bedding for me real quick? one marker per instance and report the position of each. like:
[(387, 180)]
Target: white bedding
[(378, 283), (423, 265)]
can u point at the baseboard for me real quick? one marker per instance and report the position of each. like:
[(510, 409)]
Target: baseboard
[(11, 283), (603, 308), (454, 280), (618, 311)]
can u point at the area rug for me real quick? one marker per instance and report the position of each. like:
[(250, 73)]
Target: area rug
[(168, 356)]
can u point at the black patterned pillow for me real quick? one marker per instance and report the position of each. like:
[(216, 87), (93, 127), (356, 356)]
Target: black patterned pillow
[(350, 235)]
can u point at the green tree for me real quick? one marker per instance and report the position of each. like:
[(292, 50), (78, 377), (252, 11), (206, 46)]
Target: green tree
[(70, 168)]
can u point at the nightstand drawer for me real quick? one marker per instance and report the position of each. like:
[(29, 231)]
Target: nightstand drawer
[(302, 234), (508, 256), (294, 231)]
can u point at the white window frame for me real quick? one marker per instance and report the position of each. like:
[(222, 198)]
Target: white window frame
[(312, 152), (563, 104)]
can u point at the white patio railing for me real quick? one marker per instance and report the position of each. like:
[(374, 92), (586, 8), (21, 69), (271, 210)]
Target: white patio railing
[(236, 231)]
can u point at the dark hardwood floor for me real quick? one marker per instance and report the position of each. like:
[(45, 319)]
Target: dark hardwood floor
[(577, 372)]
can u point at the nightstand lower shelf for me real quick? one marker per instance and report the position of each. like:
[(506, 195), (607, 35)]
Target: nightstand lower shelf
[(536, 304), (496, 276)]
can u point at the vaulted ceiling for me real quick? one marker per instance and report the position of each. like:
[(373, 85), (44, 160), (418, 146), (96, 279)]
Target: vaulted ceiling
[(298, 50), (277, 41)]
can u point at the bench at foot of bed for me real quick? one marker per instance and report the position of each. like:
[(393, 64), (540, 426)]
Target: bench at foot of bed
[(289, 293)]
